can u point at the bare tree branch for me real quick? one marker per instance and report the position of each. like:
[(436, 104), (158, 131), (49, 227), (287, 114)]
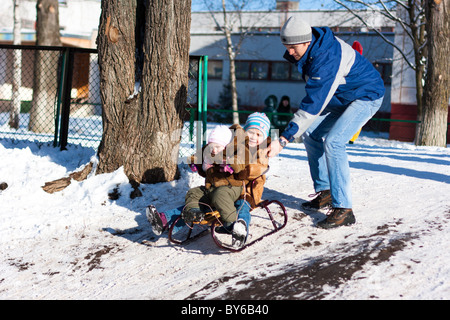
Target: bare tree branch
[(386, 12), (377, 31)]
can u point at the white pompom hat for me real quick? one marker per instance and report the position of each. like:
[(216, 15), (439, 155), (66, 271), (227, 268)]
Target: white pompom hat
[(221, 135)]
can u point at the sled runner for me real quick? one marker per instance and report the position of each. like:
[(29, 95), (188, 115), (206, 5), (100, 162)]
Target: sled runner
[(275, 220)]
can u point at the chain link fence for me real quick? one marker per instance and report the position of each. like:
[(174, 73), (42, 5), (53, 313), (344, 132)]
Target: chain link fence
[(35, 85), (52, 95)]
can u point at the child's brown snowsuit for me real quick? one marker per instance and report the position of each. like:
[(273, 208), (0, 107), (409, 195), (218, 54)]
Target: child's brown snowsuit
[(223, 189)]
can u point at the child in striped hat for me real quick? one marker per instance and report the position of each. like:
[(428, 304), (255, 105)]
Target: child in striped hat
[(227, 188), (257, 127)]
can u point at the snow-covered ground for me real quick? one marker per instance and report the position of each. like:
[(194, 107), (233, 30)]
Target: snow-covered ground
[(79, 244)]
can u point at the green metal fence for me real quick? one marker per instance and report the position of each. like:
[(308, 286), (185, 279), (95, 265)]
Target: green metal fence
[(54, 92), (194, 129), (59, 94)]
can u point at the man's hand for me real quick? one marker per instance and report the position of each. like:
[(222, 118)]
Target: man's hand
[(274, 148)]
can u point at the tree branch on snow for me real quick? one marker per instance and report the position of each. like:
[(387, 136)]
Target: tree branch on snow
[(62, 183)]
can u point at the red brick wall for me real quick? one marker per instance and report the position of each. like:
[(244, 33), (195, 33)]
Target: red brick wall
[(405, 131)]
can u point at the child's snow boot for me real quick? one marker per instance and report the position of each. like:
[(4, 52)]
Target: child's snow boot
[(225, 228), (157, 220), (239, 234), (191, 215)]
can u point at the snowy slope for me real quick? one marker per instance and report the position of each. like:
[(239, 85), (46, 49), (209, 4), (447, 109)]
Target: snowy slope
[(79, 244)]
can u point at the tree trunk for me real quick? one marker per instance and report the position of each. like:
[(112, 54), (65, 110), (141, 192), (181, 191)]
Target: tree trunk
[(144, 61), (17, 70), (232, 58), (45, 68), (233, 88), (433, 129)]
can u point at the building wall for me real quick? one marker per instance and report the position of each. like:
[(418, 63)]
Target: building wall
[(267, 47)]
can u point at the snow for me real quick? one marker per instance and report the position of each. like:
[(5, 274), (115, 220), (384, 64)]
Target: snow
[(79, 244)]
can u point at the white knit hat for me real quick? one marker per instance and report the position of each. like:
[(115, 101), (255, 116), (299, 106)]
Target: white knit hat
[(295, 31), (221, 135)]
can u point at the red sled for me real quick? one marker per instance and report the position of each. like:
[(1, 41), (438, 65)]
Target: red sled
[(275, 220)]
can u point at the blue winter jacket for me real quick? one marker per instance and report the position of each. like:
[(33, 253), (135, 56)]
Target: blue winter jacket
[(335, 72)]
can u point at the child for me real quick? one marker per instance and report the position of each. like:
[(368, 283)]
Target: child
[(213, 152), (226, 186)]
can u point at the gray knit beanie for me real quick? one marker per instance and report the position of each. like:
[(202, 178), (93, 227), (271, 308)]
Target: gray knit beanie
[(295, 31)]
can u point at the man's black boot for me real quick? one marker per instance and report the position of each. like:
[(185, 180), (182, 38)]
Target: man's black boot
[(322, 200), (338, 217)]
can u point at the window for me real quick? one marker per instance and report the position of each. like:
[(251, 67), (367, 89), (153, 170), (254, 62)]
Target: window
[(295, 74), (385, 70), (242, 70), (280, 71), (259, 71), (215, 68), (266, 70), (387, 29)]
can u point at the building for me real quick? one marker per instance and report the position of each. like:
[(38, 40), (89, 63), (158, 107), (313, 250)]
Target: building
[(78, 20), (261, 69)]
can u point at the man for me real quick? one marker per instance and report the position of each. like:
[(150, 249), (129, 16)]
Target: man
[(343, 91)]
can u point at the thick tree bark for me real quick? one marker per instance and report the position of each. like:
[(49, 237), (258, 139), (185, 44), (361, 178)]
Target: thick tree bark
[(436, 93), (144, 62)]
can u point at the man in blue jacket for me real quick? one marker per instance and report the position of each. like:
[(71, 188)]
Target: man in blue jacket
[(343, 91)]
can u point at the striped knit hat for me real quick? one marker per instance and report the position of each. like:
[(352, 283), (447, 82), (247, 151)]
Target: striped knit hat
[(258, 121)]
